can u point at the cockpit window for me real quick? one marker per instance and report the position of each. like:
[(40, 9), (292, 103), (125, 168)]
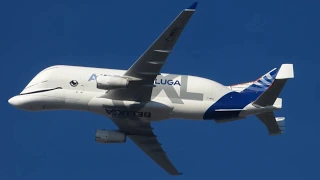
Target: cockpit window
[(35, 84), (40, 81)]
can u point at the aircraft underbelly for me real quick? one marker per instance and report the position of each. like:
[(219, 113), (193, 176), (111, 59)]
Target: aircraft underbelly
[(191, 109), (154, 110)]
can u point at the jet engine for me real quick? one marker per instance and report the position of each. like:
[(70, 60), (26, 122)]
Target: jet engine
[(110, 136), (111, 82)]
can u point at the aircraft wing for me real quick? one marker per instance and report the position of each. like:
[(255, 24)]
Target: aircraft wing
[(149, 64), (142, 135)]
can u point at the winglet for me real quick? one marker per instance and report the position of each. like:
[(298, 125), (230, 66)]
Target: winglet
[(285, 72), (193, 6)]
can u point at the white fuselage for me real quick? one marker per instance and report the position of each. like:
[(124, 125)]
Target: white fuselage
[(75, 88)]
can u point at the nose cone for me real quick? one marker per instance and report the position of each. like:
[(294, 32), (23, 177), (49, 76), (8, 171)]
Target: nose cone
[(14, 101)]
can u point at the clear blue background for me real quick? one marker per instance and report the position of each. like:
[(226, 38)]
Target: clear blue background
[(229, 41)]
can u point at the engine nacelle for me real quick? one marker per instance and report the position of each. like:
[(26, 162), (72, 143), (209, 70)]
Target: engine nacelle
[(110, 136), (111, 82)]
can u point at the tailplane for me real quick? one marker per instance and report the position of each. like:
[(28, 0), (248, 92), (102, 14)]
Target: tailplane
[(264, 93), (275, 125)]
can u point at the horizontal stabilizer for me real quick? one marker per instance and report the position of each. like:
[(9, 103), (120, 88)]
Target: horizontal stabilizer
[(268, 97), (275, 125)]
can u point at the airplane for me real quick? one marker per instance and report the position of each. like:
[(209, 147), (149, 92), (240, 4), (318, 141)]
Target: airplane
[(136, 97)]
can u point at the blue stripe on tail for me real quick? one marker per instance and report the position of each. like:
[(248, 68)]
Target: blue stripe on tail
[(239, 100), (232, 100), (262, 83)]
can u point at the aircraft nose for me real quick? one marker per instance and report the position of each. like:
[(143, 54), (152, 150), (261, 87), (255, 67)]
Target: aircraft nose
[(14, 101)]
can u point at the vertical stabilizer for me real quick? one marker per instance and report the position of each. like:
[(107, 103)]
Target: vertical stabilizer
[(259, 85), (269, 96)]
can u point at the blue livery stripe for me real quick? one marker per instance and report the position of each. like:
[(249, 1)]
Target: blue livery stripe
[(232, 100), (239, 100), (262, 83), (274, 73), (267, 79)]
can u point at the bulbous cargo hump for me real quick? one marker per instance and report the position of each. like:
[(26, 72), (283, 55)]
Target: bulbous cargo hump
[(174, 87)]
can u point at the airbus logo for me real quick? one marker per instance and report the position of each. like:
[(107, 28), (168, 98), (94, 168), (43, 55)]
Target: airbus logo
[(73, 83), (92, 77)]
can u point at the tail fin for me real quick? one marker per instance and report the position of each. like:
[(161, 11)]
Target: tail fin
[(259, 85), (275, 125), (264, 92), (269, 96)]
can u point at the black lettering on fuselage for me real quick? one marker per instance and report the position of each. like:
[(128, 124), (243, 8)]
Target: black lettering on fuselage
[(127, 113)]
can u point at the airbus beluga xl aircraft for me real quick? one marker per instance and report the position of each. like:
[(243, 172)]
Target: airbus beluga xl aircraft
[(135, 97)]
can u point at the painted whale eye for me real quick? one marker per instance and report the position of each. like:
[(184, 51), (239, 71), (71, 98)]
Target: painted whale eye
[(73, 83)]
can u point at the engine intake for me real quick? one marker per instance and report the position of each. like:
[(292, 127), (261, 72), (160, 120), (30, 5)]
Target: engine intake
[(111, 82), (110, 136)]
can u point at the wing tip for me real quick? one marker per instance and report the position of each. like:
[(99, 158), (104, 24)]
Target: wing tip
[(285, 72), (193, 6)]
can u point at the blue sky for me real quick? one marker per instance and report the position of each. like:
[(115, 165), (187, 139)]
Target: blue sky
[(228, 41)]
